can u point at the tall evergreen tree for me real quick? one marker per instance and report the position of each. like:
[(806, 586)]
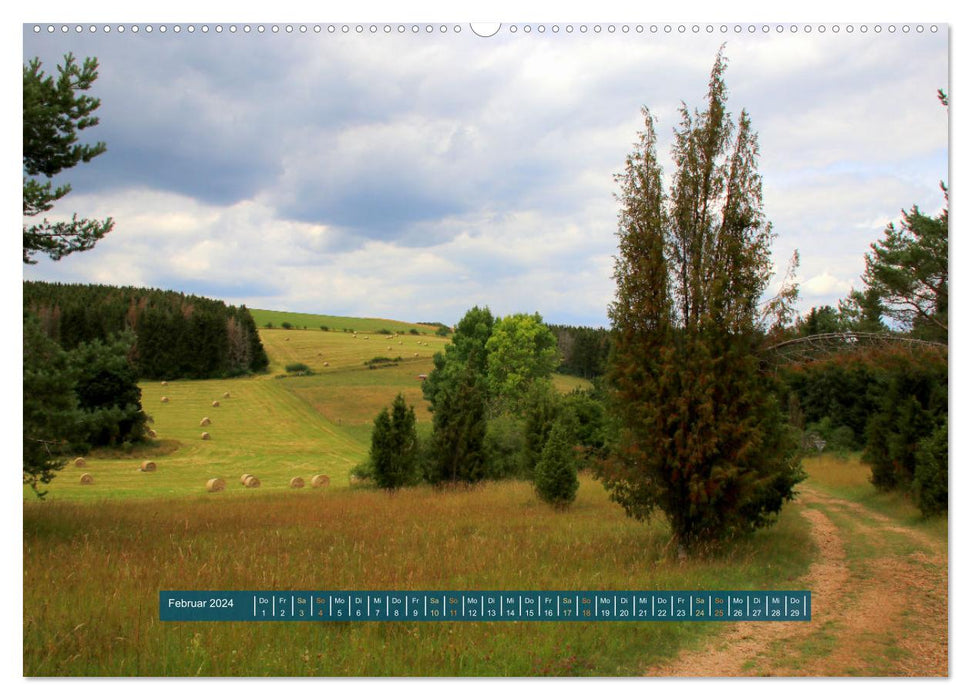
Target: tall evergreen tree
[(701, 436)]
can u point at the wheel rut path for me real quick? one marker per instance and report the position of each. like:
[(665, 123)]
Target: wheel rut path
[(879, 606)]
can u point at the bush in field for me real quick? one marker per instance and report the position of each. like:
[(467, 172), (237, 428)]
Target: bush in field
[(287, 325), (298, 367), (555, 479)]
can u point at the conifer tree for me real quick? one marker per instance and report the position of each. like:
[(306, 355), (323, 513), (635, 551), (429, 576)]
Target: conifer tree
[(556, 479), (394, 446), (55, 110), (701, 437)]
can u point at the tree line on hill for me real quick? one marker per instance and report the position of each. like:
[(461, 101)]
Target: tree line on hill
[(176, 335), (583, 350)]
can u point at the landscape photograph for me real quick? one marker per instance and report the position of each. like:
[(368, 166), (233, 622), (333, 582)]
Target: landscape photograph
[(584, 315)]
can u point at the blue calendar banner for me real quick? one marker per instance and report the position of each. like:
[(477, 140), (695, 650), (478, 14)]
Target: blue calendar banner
[(485, 606)]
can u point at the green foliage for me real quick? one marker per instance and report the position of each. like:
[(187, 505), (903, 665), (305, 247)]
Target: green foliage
[(930, 474), (588, 414), (913, 403), (822, 319), (541, 410), (835, 438), (459, 430), (520, 351), (556, 479), (466, 352), (505, 448), (50, 411), (177, 335), (109, 399), (583, 351), (701, 435), (55, 110), (286, 325), (299, 368), (862, 312), (394, 446), (908, 271)]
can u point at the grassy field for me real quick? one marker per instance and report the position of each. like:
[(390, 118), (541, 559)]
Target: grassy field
[(96, 556), (107, 564)]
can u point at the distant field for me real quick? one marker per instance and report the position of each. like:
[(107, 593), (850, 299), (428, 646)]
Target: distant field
[(336, 323)]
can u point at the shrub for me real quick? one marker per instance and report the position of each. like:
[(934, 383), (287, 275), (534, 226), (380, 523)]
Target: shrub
[(298, 368), (287, 325)]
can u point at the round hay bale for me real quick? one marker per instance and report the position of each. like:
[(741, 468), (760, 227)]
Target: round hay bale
[(389, 347), (296, 483), (147, 466), (214, 485), (165, 399), (215, 404), (320, 480), (152, 434), (204, 422), (252, 483), (326, 364), (87, 479), (226, 395), (79, 462), (243, 478), (206, 436)]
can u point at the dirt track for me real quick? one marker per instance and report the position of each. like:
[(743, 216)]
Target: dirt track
[(877, 613)]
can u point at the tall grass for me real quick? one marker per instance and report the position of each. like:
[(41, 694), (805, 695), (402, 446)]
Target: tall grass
[(93, 572)]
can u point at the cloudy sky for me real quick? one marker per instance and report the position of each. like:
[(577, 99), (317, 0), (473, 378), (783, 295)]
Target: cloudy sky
[(411, 175)]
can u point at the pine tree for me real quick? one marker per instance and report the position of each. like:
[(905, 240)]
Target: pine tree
[(54, 112), (701, 437), (556, 479)]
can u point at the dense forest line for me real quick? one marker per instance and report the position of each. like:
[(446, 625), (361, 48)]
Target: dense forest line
[(583, 350), (177, 335)]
